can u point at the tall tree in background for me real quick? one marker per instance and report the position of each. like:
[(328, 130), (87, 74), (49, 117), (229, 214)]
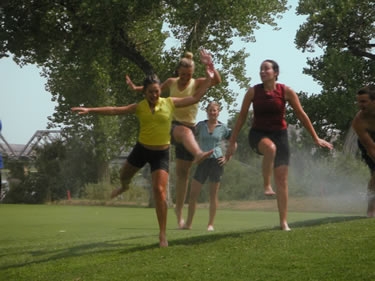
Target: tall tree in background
[(85, 47), (344, 30)]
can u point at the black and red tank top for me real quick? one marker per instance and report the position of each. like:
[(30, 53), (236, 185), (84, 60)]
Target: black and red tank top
[(269, 108)]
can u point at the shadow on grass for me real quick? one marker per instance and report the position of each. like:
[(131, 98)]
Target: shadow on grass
[(327, 220), (110, 246), (42, 256), (213, 237)]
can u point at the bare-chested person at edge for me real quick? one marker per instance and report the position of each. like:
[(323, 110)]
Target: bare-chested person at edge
[(364, 125), (183, 125)]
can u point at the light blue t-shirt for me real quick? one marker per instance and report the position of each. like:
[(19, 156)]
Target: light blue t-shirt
[(214, 140)]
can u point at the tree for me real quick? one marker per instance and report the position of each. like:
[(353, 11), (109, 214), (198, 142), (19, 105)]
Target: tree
[(86, 46), (345, 31)]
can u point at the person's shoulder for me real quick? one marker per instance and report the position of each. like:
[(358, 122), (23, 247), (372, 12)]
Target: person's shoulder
[(201, 123), (166, 100), (283, 87), (251, 90), (256, 87), (360, 119), (222, 125), (167, 83)]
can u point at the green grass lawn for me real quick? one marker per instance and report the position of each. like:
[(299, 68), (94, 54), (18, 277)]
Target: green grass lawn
[(58, 242)]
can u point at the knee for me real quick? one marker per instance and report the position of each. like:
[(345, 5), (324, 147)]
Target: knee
[(181, 132), (160, 193), (269, 149)]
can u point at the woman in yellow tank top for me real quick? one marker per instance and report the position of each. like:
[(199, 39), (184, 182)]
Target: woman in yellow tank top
[(184, 120), (155, 115)]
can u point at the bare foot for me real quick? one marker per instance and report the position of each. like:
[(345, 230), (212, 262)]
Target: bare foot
[(180, 220), (210, 228), (285, 227), (186, 227), (202, 156), (181, 224), (163, 241), (268, 191)]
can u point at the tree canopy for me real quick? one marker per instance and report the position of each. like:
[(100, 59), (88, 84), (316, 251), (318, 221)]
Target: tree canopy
[(85, 47), (344, 30)]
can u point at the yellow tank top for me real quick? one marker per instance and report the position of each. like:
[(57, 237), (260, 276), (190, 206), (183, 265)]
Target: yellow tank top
[(188, 113), (155, 126)]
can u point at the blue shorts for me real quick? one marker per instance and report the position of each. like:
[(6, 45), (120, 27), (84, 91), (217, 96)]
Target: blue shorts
[(158, 159), (279, 138), (209, 168), (180, 150)]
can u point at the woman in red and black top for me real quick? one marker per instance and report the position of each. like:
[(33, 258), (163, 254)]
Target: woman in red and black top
[(268, 135)]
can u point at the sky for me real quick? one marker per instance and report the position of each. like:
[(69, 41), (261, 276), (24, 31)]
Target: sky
[(25, 104)]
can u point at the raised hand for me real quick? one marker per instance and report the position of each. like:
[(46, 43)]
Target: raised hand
[(205, 57), (210, 70)]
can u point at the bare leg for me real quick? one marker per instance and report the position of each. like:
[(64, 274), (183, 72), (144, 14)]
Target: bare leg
[(371, 196), (184, 135), (195, 189), (182, 180), (159, 186), (281, 180), (214, 202), (268, 149), (126, 174)]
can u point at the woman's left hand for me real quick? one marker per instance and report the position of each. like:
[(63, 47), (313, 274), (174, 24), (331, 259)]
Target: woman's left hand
[(223, 160), (205, 57), (324, 143)]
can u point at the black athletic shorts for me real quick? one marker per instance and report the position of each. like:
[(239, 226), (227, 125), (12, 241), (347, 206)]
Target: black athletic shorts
[(158, 159), (180, 150), (209, 168), (279, 138)]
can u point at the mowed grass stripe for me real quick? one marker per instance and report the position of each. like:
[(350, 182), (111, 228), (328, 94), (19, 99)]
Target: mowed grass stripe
[(54, 242)]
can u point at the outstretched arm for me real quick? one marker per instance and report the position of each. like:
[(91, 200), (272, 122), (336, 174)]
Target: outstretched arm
[(293, 100), (106, 110)]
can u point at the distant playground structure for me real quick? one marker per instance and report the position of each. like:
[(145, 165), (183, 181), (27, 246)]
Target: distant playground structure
[(19, 151)]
